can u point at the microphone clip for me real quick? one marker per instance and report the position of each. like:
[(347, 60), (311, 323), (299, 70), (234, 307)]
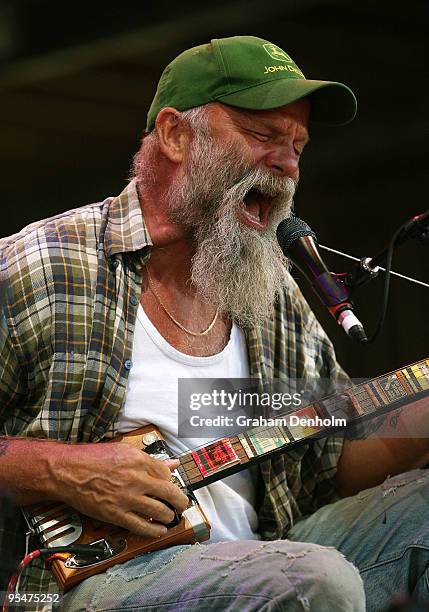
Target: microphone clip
[(415, 228)]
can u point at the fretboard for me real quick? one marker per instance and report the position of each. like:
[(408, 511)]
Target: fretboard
[(368, 400)]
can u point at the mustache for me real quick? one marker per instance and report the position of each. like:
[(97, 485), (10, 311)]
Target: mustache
[(266, 183), (247, 178)]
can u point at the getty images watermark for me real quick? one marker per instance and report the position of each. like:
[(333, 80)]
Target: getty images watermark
[(224, 407)]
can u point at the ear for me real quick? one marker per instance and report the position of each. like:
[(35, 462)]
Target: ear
[(173, 134)]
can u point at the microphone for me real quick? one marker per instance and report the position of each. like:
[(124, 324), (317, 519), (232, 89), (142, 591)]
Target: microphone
[(299, 244)]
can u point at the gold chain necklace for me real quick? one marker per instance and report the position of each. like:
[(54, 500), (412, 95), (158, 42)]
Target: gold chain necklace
[(188, 331)]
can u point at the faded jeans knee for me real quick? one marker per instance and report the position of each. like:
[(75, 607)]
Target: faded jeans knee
[(327, 583), (247, 575)]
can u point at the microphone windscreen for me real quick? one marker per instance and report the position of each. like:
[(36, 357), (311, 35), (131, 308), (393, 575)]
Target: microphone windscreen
[(290, 229)]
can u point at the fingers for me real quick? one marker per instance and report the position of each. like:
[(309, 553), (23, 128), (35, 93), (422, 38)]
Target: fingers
[(126, 489), (172, 464), (155, 467), (166, 491), (158, 468), (156, 510), (141, 526)]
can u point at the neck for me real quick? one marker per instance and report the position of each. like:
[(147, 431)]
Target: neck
[(172, 251), (171, 265)]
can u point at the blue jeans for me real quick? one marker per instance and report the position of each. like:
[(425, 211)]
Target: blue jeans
[(383, 531)]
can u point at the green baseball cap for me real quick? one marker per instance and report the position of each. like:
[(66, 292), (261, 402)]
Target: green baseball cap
[(247, 72)]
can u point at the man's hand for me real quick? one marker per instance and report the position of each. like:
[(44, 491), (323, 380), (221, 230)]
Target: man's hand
[(111, 482), (118, 484)]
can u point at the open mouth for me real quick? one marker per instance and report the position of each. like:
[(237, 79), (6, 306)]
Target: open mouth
[(255, 209)]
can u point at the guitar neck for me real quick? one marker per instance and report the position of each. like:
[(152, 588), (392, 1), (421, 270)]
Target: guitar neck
[(368, 400)]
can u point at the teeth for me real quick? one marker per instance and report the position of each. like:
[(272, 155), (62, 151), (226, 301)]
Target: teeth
[(255, 215)]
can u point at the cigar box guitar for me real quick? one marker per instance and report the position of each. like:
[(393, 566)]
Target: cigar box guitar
[(56, 524)]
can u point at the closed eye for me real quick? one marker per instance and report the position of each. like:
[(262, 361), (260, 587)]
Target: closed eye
[(259, 135), (300, 145)]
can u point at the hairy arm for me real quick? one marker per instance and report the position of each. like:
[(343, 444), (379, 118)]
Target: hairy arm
[(112, 482), (400, 444)]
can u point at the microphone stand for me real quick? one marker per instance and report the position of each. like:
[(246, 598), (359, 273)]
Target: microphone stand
[(368, 268), (417, 227)]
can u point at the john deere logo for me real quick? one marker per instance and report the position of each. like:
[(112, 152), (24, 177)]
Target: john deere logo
[(277, 53)]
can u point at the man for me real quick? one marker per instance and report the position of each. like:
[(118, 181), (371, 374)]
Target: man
[(108, 305)]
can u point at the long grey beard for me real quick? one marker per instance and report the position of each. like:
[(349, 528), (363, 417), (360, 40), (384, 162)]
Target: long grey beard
[(238, 269)]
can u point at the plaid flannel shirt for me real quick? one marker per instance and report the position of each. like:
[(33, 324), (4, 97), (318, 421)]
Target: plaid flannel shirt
[(71, 286)]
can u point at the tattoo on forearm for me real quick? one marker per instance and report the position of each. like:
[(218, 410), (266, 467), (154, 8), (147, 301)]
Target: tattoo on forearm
[(3, 446), (382, 422), (394, 419)]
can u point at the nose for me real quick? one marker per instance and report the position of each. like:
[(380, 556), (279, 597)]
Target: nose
[(283, 161)]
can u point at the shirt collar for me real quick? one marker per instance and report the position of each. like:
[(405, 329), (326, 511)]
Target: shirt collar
[(126, 230)]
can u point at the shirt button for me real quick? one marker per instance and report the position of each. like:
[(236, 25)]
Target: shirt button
[(128, 364), (99, 430), (134, 301), (115, 263)]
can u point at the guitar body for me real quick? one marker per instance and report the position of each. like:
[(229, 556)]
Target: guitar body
[(59, 525)]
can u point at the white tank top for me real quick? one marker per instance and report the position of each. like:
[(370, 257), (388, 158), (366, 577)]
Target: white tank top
[(151, 397)]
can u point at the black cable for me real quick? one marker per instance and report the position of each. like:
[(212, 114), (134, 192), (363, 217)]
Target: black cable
[(389, 261), (73, 548)]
